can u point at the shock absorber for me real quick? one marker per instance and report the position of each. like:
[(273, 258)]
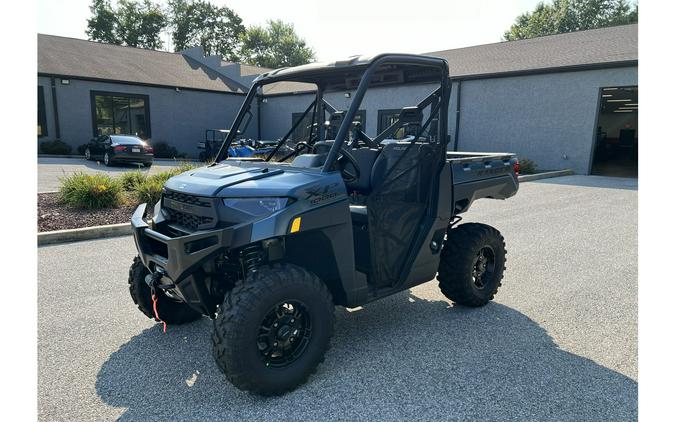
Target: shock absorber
[(250, 257)]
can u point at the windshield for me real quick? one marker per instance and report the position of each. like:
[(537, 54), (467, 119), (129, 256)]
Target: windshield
[(127, 140)]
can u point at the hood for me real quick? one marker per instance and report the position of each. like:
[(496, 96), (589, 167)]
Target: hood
[(242, 180)]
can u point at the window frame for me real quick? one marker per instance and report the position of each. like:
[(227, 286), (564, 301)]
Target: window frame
[(146, 107), (362, 113), (42, 117), (380, 115)]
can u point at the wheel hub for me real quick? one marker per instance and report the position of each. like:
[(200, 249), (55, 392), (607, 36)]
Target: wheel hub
[(483, 267), (284, 334)]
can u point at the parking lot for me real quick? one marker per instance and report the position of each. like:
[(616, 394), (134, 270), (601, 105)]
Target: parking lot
[(51, 169), (558, 343)]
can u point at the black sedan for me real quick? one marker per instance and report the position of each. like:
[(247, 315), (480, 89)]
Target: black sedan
[(118, 149)]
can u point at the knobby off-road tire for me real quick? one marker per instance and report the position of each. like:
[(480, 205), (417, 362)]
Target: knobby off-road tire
[(459, 272), (243, 347), (170, 311)]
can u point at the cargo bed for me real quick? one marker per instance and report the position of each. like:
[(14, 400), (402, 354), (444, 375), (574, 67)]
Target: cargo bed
[(477, 175)]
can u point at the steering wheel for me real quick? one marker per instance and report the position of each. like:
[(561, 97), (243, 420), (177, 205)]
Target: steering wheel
[(343, 160), (302, 145), (296, 151)]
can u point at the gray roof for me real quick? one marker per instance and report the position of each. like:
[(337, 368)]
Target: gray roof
[(613, 46), (87, 59), (605, 46)]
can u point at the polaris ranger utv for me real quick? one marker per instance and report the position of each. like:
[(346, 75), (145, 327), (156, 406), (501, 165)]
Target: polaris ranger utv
[(268, 248)]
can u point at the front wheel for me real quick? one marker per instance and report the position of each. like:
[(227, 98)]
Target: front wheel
[(472, 264), (169, 310), (87, 154), (273, 329)]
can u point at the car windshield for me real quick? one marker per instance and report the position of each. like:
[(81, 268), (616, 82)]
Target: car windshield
[(127, 140)]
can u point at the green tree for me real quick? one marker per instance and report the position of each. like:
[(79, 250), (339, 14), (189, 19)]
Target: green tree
[(101, 25), (217, 30), (276, 45), (571, 15), (140, 23), (133, 23)]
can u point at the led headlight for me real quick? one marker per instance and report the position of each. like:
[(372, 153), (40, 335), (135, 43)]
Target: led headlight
[(256, 207)]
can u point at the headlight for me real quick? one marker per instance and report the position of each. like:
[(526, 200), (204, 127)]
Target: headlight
[(256, 207)]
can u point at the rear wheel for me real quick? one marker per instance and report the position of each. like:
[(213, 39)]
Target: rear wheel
[(472, 264), (169, 310), (106, 160), (148, 165), (273, 329)]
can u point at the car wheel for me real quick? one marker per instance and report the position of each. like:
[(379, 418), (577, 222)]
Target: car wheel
[(87, 154), (106, 160), (148, 165), (273, 329)]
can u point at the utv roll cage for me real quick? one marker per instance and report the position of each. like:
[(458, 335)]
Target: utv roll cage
[(357, 72)]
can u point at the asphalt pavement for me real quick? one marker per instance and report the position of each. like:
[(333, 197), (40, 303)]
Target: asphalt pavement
[(50, 169), (559, 342)]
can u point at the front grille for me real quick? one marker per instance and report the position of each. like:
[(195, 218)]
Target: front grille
[(189, 212), (189, 221), (187, 199)]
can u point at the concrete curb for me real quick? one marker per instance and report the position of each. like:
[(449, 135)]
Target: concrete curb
[(178, 160), (86, 233), (545, 175)]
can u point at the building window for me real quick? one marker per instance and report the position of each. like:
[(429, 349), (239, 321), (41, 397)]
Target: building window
[(301, 133), (41, 115), (386, 118), (120, 114)]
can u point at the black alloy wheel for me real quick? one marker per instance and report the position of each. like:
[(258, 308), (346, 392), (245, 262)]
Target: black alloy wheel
[(284, 334), (484, 267)]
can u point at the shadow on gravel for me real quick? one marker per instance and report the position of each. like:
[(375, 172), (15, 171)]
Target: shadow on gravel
[(399, 358)]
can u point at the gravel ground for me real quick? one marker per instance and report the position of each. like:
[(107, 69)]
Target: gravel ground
[(559, 342), (52, 215), (50, 170)]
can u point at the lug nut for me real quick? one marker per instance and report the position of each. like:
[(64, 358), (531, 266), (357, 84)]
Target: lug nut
[(276, 325), (276, 344)]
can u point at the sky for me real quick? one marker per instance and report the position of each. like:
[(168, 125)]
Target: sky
[(343, 28)]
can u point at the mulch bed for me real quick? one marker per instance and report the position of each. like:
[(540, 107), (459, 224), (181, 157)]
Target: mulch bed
[(52, 215)]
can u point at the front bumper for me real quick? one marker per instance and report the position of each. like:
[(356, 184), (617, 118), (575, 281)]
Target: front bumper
[(132, 157), (180, 257)]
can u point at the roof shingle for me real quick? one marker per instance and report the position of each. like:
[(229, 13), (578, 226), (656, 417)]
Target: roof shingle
[(87, 59), (615, 44)]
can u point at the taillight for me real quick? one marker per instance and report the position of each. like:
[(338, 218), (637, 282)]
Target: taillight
[(516, 167), (119, 148), (149, 149)]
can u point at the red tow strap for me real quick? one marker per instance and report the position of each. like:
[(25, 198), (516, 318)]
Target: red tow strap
[(154, 308)]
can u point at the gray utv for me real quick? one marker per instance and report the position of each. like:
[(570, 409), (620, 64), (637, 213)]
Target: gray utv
[(267, 246)]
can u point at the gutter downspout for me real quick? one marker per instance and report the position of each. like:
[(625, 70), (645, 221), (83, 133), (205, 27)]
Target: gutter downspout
[(457, 110), (56, 109)]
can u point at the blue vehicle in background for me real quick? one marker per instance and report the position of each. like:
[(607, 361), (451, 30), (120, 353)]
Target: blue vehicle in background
[(213, 140)]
